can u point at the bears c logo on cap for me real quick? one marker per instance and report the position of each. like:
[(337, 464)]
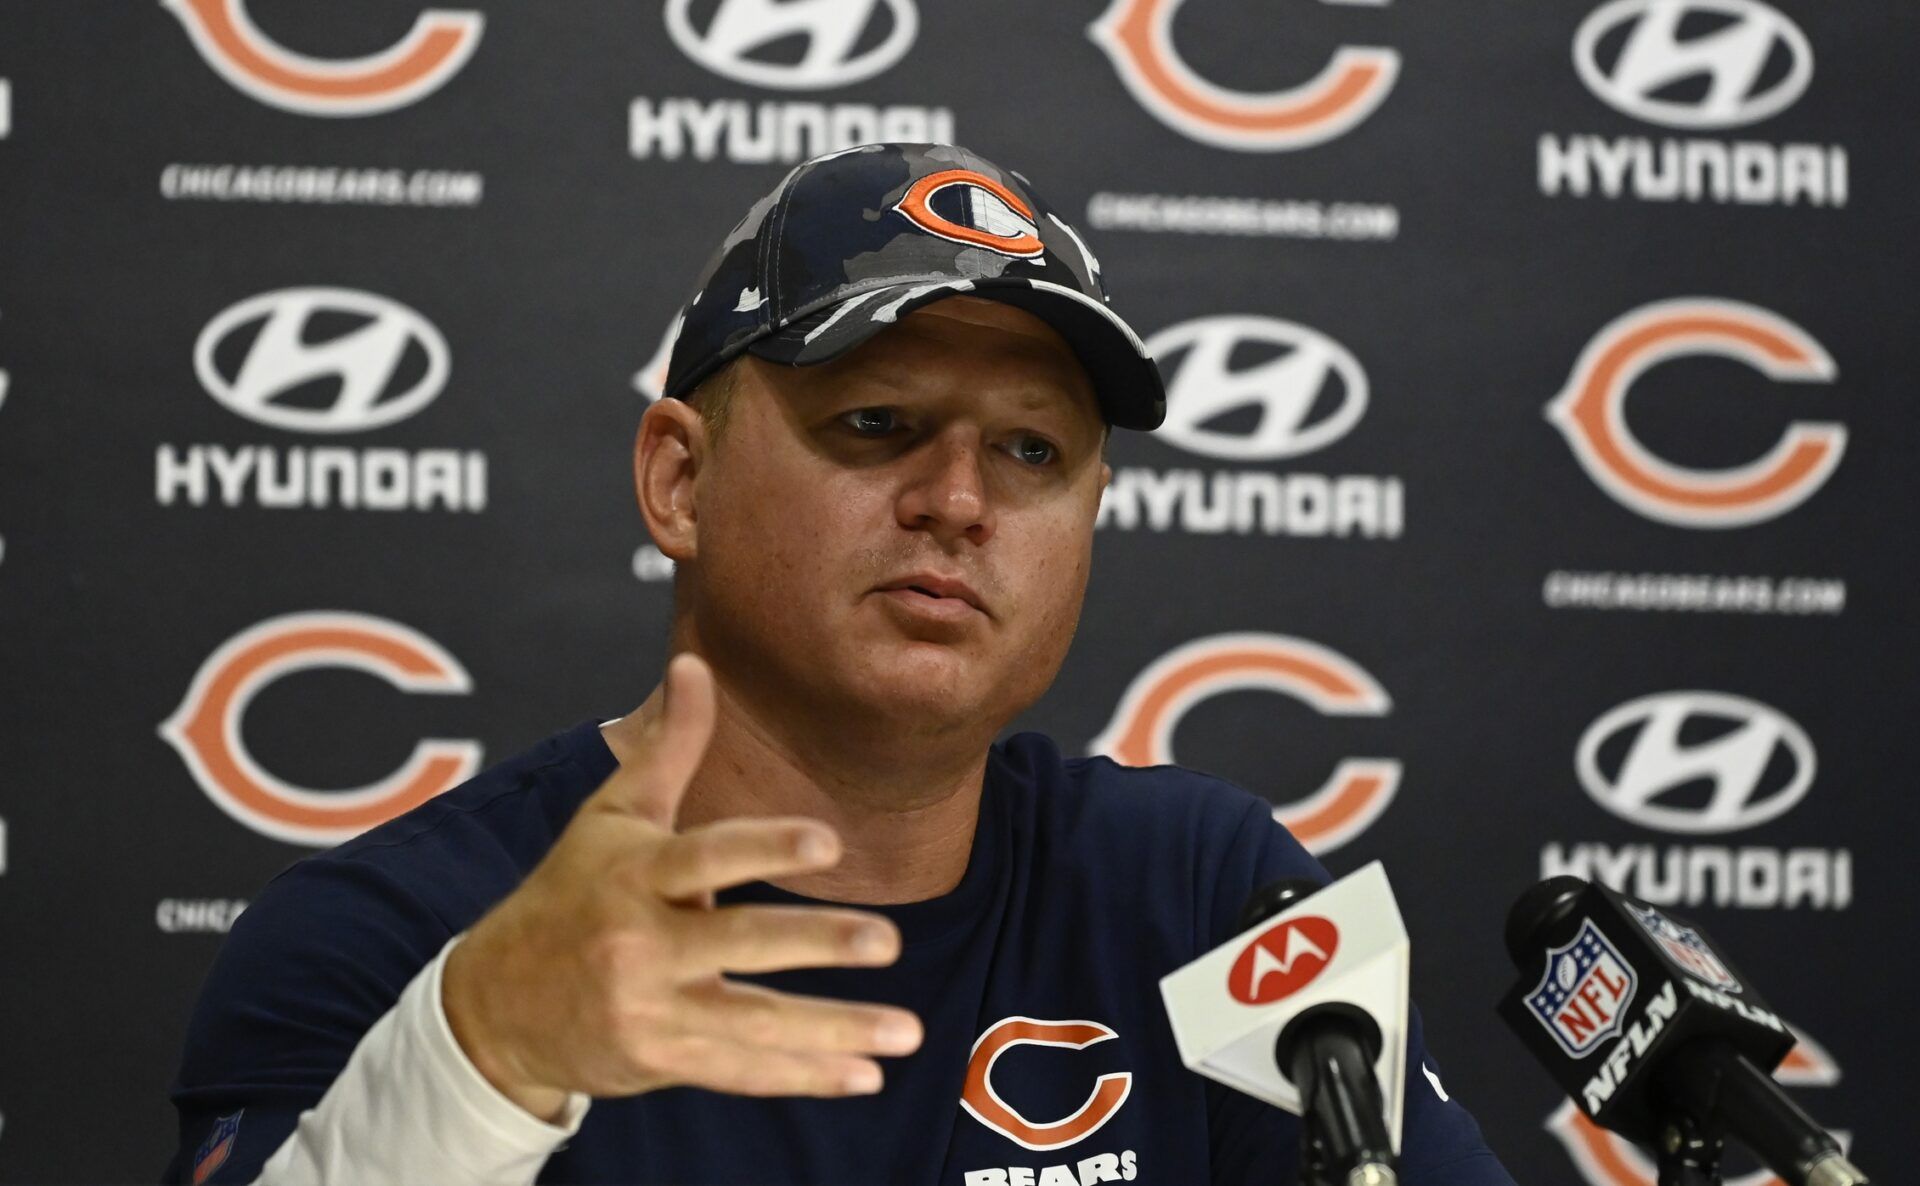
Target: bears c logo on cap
[(984, 1104), (206, 728), (995, 217), (433, 51)]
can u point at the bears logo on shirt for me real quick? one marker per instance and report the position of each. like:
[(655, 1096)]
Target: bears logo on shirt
[(984, 1104)]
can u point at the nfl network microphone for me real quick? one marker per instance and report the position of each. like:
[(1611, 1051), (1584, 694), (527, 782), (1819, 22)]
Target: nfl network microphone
[(1657, 1037), (1307, 1009)]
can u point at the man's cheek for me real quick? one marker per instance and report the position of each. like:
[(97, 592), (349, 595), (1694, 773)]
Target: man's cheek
[(1067, 591)]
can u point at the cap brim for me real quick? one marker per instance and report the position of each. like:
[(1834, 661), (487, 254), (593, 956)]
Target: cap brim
[(1125, 379)]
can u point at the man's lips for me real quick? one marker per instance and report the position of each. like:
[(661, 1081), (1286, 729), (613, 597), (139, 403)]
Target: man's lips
[(931, 589)]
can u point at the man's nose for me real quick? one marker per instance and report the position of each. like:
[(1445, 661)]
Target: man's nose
[(946, 493)]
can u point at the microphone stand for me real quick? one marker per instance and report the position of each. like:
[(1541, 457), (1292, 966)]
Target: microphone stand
[(1710, 1079), (1344, 1139), (1688, 1156), (1328, 1053)]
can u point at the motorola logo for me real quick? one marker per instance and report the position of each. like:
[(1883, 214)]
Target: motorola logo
[(847, 41), (1693, 64), (1295, 952), (1695, 762), (322, 360), (1302, 398)]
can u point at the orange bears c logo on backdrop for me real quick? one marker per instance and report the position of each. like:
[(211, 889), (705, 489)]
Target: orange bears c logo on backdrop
[(206, 731), (433, 51), (1606, 1159), (984, 1104), (1591, 413), (1141, 732), (997, 218), (1137, 37)]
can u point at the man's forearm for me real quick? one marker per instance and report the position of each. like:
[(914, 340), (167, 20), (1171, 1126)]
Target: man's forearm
[(409, 1107)]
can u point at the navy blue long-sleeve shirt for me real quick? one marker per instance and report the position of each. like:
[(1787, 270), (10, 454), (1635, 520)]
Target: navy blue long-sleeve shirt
[(1086, 883)]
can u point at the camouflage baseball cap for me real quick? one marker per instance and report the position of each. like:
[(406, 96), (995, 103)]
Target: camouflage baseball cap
[(850, 242)]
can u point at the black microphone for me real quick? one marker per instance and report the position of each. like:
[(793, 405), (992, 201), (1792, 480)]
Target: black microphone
[(1328, 1052), (1655, 1036)]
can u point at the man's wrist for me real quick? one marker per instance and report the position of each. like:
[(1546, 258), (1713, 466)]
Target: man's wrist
[(466, 1020)]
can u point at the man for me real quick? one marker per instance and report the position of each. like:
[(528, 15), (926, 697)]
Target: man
[(797, 918)]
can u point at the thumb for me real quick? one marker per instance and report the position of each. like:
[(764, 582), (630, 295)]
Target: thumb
[(654, 783)]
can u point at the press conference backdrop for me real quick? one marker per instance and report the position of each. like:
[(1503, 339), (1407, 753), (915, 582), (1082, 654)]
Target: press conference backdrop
[(1535, 494)]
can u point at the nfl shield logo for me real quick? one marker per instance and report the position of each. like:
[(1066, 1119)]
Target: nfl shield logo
[(1583, 997), (216, 1148), (1685, 947)]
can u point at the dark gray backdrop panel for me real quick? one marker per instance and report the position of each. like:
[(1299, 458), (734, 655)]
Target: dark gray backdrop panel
[(555, 288)]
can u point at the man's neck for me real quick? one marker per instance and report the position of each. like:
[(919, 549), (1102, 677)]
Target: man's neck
[(906, 819)]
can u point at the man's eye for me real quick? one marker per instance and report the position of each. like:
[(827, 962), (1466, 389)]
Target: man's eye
[(1034, 450), (875, 422)]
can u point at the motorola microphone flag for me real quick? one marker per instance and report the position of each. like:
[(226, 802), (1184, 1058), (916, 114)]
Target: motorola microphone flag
[(1343, 946)]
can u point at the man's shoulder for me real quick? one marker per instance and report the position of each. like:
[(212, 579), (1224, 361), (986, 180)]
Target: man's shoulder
[(1095, 790), (463, 849), (537, 788), (327, 946), (1178, 849)]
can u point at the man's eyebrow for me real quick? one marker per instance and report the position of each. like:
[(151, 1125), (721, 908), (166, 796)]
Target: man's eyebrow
[(1044, 398), (890, 377), (1041, 396)]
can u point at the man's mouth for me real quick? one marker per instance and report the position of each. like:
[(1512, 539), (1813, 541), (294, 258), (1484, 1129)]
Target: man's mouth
[(938, 593)]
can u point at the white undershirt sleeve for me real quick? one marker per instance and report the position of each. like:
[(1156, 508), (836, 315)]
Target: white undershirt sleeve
[(410, 1108)]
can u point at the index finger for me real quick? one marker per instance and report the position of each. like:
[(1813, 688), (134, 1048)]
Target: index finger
[(752, 938), (732, 852)]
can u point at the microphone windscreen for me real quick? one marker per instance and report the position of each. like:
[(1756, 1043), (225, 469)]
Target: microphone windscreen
[(1272, 898), (1540, 906)]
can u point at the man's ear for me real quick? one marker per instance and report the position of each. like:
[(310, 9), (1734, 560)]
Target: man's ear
[(668, 453)]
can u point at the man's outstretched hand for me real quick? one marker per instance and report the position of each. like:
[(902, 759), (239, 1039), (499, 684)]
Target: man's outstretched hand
[(603, 972)]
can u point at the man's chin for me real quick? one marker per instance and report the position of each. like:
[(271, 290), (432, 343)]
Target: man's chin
[(923, 683)]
